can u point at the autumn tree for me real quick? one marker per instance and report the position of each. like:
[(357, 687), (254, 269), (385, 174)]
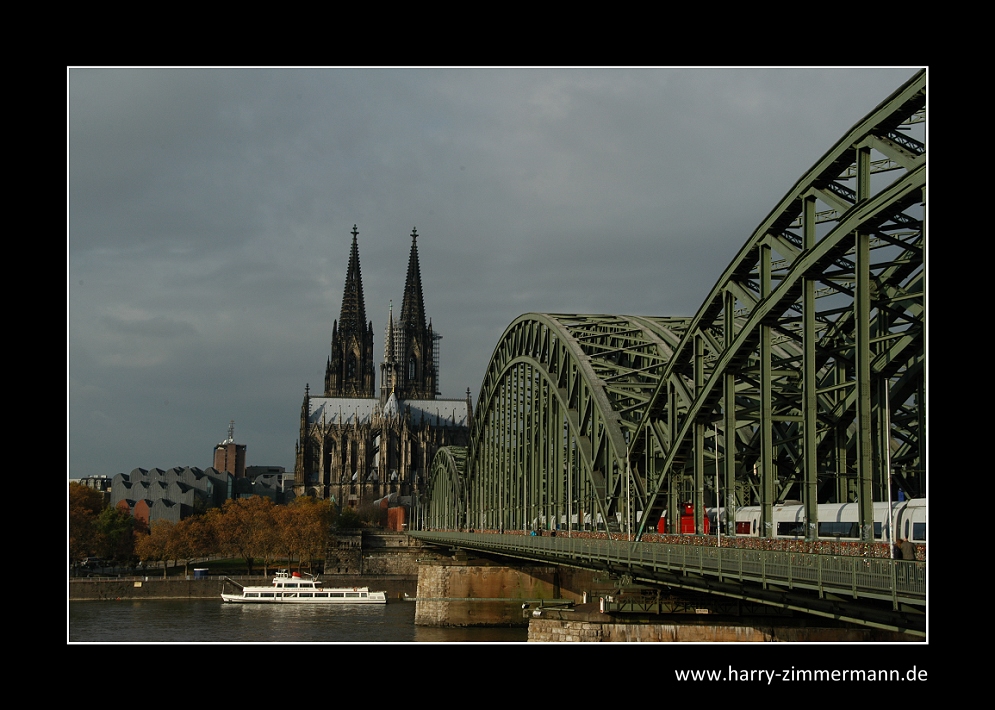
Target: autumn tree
[(180, 544), (203, 540), (245, 527), (268, 541), (154, 546), (304, 526)]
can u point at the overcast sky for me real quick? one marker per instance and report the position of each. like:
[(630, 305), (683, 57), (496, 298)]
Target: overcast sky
[(210, 213)]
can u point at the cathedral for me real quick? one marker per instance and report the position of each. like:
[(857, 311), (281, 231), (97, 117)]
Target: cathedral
[(359, 447)]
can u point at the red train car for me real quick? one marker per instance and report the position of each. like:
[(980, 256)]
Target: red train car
[(686, 521)]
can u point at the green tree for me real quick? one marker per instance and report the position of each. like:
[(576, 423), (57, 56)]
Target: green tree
[(115, 534), (372, 515), (85, 505), (348, 519)]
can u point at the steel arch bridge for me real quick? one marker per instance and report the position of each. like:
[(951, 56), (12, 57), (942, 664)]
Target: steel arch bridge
[(801, 376)]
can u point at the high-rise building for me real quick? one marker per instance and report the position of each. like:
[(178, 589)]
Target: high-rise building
[(229, 456), (356, 447)]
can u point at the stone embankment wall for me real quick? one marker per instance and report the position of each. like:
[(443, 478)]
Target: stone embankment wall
[(373, 552), (580, 631), (392, 554), (149, 588)]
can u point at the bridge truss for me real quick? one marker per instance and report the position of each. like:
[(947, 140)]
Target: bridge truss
[(561, 399), (801, 376)]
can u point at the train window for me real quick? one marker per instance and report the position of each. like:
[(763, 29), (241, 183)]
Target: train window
[(877, 531), (790, 529), (919, 531), (838, 530), (743, 527)]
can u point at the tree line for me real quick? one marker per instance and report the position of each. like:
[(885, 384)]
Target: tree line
[(254, 529)]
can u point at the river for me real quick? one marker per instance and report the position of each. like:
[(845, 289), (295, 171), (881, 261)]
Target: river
[(210, 621)]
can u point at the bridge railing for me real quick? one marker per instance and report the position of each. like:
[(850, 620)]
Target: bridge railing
[(899, 581)]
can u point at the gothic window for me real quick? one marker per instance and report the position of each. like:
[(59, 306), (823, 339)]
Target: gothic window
[(411, 369), (350, 367)]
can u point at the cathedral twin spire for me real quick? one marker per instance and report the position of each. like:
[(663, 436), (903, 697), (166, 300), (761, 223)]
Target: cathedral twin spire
[(349, 372), (409, 367), (413, 365), (413, 307), (353, 306)]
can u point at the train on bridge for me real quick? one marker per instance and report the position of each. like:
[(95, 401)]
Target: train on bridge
[(837, 521)]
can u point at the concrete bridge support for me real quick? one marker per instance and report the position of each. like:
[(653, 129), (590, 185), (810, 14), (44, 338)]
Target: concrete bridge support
[(480, 592)]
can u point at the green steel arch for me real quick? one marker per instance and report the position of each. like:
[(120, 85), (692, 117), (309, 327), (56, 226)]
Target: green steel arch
[(446, 505), (559, 403), (802, 376)]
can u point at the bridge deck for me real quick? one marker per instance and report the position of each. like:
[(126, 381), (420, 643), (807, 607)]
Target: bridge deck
[(870, 591)]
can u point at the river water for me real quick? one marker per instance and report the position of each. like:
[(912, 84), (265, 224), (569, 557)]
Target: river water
[(210, 621)]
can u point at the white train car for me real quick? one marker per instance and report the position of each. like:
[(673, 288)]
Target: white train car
[(910, 520), (839, 521)]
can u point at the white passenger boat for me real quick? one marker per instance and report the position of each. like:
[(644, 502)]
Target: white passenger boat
[(294, 589)]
